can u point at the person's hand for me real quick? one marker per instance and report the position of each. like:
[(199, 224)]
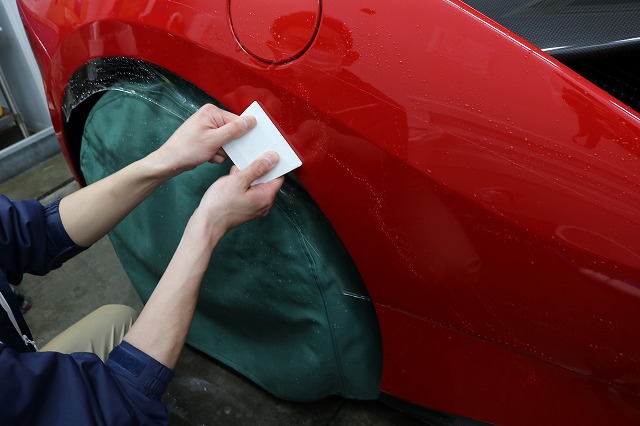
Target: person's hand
[(161, 330), (232, 200), (200, 138)]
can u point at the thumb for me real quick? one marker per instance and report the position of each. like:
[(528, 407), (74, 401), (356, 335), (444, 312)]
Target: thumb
[(260, 167)]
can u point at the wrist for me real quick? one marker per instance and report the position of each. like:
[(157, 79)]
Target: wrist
[(205, 227), (159, 166)]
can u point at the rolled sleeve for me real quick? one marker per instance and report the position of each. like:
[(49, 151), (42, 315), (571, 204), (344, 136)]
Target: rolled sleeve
[(60, 247), (49, 388), (139, 371), (32, 239)]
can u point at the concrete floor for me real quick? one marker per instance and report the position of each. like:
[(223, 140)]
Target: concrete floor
[(203, 392)]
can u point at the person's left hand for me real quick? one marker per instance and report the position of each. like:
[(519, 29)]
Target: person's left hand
[(200, 138), (232, 200)]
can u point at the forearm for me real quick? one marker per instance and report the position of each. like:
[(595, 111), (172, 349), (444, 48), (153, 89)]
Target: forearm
[(163, 324), (91, 212), (162, 327)]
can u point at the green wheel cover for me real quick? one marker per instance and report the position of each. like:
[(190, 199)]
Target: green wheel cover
[(271, 304)]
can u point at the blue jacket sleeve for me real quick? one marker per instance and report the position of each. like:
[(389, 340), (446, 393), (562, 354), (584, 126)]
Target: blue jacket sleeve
[(32, 239), (49, 388)]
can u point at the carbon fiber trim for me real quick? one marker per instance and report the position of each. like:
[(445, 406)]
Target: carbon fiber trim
[(599, 39), (565, 26)]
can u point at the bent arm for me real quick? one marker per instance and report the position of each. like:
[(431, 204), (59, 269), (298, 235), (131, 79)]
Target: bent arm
[(90, 213), (162, 327)]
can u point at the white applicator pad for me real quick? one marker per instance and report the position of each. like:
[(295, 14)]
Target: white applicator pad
[(262, 138)]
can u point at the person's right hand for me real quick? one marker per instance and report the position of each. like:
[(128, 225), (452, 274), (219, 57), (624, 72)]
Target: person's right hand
[(232, 200), (200, 139)]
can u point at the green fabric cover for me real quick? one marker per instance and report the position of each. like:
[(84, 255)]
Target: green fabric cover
[(271, 305)]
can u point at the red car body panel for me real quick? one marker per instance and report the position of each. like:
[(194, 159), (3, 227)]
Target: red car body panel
[(487, 194)]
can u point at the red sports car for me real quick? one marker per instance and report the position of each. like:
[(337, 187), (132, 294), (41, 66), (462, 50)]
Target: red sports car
[(469, 196)]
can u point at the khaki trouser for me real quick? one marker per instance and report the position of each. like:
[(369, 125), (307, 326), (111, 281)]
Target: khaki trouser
[(98, 332)]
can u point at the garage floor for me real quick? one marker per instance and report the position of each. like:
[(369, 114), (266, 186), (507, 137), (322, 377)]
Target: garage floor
[(203, 391)]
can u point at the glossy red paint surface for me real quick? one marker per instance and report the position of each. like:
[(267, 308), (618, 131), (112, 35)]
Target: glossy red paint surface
[(488, 195)]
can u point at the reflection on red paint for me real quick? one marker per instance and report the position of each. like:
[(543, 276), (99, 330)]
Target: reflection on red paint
[(488, 195)]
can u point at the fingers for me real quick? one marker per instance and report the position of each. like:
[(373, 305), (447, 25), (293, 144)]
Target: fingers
[(259, 167), (219, 157), (225, 125), (231, 200), (228, 116), (267, 194), (200, 139), (216, 116), (234, 129), (272, 187)]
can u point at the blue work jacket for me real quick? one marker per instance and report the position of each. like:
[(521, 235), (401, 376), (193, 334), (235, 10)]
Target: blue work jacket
[(48, 388)]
